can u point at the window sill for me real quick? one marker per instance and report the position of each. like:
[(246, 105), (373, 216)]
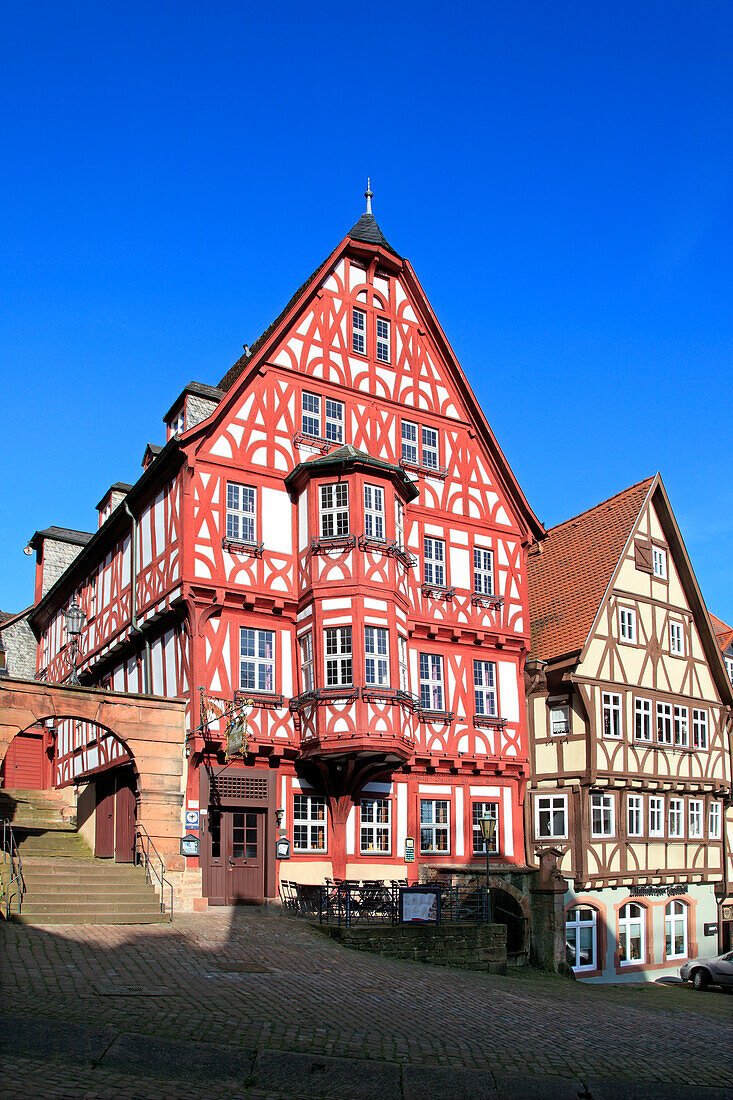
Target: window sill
[(242, 546)]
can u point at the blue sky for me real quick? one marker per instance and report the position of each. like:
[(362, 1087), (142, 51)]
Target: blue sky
[(559, 174)]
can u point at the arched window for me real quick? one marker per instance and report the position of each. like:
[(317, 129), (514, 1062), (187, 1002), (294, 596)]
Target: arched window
[(675, 930), (631, 948), (581, 938)]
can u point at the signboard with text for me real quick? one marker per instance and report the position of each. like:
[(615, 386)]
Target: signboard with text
[(420, 905)]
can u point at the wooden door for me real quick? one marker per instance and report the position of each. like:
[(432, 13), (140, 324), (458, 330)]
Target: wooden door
[(104, 824), (234, 869), (125, 818), (23, 763)]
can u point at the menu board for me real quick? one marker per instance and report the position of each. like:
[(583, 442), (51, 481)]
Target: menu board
[(420, 905)]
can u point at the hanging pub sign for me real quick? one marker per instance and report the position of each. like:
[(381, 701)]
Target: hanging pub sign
[(710, 929), (189, 845), (237, 731), (409, 849)]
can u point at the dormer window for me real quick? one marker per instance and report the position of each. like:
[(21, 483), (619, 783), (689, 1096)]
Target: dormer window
[(178, 424)]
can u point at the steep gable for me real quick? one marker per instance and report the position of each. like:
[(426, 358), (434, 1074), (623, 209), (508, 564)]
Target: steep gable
[(568, 576)]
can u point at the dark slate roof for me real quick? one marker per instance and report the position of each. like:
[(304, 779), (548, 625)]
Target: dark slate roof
[(198, 389), (118, 487), (366, 229), (61, 534), (349, 455)]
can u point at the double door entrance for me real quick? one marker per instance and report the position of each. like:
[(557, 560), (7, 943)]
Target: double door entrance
[(235, 840)]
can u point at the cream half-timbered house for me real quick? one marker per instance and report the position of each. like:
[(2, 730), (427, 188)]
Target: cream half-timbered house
[(333, 536), (629, 717)]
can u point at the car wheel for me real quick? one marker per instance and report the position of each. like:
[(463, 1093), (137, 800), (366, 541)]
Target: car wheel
[(700, 980)]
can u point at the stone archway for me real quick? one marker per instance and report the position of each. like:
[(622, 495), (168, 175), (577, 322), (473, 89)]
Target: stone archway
[(150, 728), (511, 907)]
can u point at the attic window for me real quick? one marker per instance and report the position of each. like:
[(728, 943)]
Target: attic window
[(659, 559), (178, 423)]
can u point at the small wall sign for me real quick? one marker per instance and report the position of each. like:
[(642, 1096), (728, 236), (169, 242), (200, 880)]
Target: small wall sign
[(409, 849), (710, 929), (192, 820), (419, 905), (189, 845), (282, 848)]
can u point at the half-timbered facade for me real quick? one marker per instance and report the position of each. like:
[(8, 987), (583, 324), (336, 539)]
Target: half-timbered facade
[(629, 719), (333, 538)]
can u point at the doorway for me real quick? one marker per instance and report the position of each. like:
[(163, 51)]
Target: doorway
[(22, 766), (235, 841)]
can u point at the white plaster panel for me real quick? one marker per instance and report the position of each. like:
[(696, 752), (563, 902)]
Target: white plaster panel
[(401, 791), (376, 605), (508, 824), (277, 526), (351, 832), (287, 664), (508, 691), (460, 844), (460, 574), (303, 519), (432, 789), (329, 605), (485, 792)]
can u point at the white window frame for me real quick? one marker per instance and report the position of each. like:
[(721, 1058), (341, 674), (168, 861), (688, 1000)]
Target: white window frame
[(665, 734), (634, 815), (699, 728), (256, 659), (695, 810), (483, 571), (375, 825), (374, 521), (434, 825), (559, 720), (676, 638), (479, 810), (642, 720), (358, 331), (628, 924), (676, 914), (676, 819), (333, 507), (399, 523), (178, 423), (485, 690), (573, 926), (681, 727), (404, 663), (551, 810), (410, 451), (430, 440), (307, 816), (611, 715), (376, 656), (338, 657), (714, 821), (434, 561), (627, 625), (383, 340), (432, 687), (241, 512), (306, 662), (659, 563), (310, 414), (602, 815), (333, 420), (729, 667), (656, 815)]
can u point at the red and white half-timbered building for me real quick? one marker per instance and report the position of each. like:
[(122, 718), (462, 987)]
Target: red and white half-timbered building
[(333, 538)]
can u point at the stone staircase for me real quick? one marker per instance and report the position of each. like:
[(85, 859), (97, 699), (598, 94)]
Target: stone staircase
[(64, 883)]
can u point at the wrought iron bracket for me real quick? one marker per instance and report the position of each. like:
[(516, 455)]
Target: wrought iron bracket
[(491, 602), (445, 716), (317, 442), (440, 472), (259, 699), (489, 720), (438, 591), (243, 546), (335, 542), (322, 696)]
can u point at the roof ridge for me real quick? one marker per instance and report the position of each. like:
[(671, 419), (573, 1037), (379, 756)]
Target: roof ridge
[(595, 507)]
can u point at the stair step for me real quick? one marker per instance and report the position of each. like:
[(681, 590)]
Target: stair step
[(61, 895), (94, 918), (31, 908)]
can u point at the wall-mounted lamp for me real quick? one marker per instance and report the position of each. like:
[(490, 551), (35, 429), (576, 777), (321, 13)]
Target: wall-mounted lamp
[(279, 815)]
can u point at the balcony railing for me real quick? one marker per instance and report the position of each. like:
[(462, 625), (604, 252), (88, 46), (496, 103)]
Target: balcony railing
[(324, 544), (388, 546), (489, 720), (266, 699), (321, 696)]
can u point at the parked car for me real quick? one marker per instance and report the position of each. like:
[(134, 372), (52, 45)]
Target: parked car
[(705, 972)]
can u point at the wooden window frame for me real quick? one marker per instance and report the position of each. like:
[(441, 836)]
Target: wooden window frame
[(476, 833), (307, 678), (659, 554), (643, 718), (378, 657), (436, 565), (700, 739), (635, 814), (607, 805), (383, 341), (374, 826), (671, 919), (657, 810), (433, 660), (695, 815), (330, 514), (374, 515), (552, 809), (240, 514), (612, 704), (676, 634), (338, 661), (358, 331), (483, 578), (676, 807), (257, 660), (627, 624), (310, 823), (715, 817), (434, 826), (681, 727), (627, 922)]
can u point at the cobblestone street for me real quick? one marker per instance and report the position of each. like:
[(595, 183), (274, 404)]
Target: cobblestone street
[(247, 1003)]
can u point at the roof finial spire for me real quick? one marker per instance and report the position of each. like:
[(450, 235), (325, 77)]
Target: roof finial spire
[(369, 195)]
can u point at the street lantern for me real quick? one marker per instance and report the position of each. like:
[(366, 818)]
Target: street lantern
[(75, 619), (488, 831)]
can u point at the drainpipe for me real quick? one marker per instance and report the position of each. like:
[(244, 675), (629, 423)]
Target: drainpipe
[(133, 599)]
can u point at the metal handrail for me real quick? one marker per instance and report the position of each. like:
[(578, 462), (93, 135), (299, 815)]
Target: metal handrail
[(146, 846), (16, 876)]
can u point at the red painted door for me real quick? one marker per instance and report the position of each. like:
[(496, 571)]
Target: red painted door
[(104, 825), (125, 818), (23, 763), (234, 871)]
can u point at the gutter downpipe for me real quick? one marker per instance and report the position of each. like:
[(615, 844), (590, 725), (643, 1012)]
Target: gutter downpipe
[(133, 599)]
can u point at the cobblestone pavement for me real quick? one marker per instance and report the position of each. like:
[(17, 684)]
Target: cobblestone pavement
[(248, 1003)]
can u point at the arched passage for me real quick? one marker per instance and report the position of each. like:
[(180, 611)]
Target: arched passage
[(151, 731)]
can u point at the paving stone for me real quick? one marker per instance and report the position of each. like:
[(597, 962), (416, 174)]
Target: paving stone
[(454, 1083), (143, 1054), (624, 1090), (75, 1042), (308, 1075), (512, 1087)]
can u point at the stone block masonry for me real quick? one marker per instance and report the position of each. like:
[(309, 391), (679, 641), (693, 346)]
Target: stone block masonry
[(464, 946)]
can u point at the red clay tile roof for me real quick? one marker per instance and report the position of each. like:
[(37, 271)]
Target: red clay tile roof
[(568, 577), (723, 632)]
